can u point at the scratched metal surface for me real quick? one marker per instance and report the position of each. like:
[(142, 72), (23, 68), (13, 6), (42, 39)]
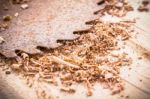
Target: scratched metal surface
[(134, 88)]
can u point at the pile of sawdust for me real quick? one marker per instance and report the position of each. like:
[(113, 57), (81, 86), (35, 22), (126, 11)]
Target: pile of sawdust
[(89, 59)]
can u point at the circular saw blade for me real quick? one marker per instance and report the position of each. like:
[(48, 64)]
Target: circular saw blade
[(45, 22)]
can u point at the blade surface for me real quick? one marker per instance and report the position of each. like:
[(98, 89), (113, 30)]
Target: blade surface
[(45, 22)]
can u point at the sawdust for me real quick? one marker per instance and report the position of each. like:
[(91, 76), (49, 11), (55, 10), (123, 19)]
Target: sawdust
[(88, 59), (117, 8)]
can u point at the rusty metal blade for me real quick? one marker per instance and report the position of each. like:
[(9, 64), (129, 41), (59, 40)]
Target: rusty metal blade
[(45, 22)]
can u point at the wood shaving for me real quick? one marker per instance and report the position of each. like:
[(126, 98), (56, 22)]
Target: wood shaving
[(144, 6), (4, 26), (7, 18), (16, 66), (143, 9), (16, 14), (8, 72), (145, 2), (24, 6), (66, 89), (56, 59), (117, 8), (89, 88)]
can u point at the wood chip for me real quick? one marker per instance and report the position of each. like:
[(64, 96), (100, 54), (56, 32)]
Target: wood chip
[(1, 40), (56, 59), (144, 6), (67, 89), (145, 2), (24, 6), (16, 66), (8, 72), (7, 18), (16, 14)]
